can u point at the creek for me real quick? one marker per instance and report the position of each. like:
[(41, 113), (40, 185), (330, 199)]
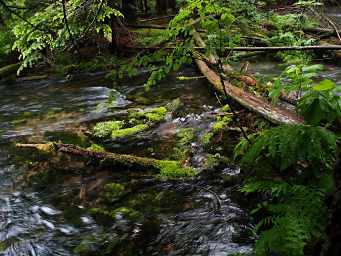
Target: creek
[(50, 216), (47, 217)]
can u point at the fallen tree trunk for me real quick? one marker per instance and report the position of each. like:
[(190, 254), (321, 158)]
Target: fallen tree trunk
[(259, 105), (166, 168), (326, 31), (119, 159), (251, 49)]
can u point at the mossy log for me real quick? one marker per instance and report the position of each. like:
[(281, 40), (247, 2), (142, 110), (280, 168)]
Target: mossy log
[(144, 162), (9, 70), (259, 105), (165, 168)]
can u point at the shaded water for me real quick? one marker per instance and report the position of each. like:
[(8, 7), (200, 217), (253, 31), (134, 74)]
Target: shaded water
[(180, 218), (48, 217)]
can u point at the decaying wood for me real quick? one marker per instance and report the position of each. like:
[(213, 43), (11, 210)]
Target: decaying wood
[(259, 105), (142, 163)]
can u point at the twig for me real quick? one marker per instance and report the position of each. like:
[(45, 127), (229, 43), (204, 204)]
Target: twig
[(68, 28)]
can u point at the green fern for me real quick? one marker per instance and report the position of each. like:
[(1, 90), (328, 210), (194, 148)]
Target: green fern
[(295, 216), (286, 146)]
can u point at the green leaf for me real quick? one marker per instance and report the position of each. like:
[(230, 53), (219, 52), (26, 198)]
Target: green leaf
[(324, 85)]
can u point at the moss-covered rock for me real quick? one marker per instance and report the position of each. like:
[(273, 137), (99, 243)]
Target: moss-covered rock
[(153, 115), (137, 122), (120, 133), (105, 129), (174, 170)]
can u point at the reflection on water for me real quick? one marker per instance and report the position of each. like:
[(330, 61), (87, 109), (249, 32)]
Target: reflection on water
[(180, 218), (49, 220)]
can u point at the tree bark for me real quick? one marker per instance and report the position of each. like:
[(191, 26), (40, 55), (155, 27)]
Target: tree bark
[(112, 159), (259, 105)]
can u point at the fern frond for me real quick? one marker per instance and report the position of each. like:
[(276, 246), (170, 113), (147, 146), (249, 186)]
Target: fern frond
[(289, 144)]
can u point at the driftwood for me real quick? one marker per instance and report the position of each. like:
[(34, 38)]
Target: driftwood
[(142, 163), (259, 105)]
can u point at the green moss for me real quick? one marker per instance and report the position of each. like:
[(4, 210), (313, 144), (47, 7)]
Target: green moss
[(206, 139), (222, 121), (119, 133), (226, 108), (153, 115), (105, 129), (96, 148), (113, 190), (174, 170), (156, 114)]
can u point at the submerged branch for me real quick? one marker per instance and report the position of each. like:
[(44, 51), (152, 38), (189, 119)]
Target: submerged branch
[(165, 168), (122, 159)]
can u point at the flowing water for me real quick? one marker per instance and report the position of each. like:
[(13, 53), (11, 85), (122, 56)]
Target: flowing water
[(48, 218)]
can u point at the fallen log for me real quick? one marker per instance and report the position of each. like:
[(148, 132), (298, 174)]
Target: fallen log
[(250, 49), (325, 31), (164, 167), (259, 105), (144, 162)]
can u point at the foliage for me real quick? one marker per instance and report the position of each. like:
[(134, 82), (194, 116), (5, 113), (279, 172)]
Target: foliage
[(43, 30), (288, 32), (295, 78), (285, 146), (6, 42), (299, 158), (113, 190), (321, 103), (295, 216)]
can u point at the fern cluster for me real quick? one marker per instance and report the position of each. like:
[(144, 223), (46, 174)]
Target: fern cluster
[(289, 145), (291, 170), (295, 217)]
